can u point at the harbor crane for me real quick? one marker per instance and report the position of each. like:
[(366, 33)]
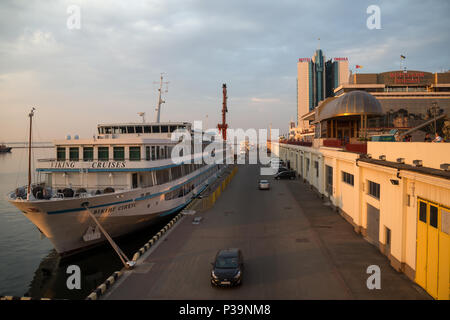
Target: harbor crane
[(224, 126)]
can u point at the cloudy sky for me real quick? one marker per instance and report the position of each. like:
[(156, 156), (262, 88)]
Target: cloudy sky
[(105, 71)]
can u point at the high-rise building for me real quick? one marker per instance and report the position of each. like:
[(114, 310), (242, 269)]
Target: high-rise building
[(316, 81)]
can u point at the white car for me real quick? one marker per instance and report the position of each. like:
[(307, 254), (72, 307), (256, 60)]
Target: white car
[(264, 185), (276, 163)]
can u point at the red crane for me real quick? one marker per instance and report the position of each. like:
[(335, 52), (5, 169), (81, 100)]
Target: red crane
[(223, 126)]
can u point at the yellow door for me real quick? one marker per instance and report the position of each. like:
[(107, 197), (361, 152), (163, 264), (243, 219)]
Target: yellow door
[(421, 257), (433, 251), (444, 254)]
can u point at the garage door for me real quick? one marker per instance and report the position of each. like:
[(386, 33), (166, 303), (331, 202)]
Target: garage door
[(373, 224), (433, 249)]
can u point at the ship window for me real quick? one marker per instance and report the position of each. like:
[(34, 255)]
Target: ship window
[(103, 153), (61, 154), (100, 130), (74, 154), (123, 130), (155, 129), (135, 153), (173, 128), (115, 130), (176, 172), (88, 153), (153, 153), (162, 176), (108, 130), (147, 153), (130, 129), (164, 128), (158, 155), (119, 153), (138, 129), (147, 129)]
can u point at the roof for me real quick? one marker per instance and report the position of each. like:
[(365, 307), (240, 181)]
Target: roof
[(402, 166), (352, 103)]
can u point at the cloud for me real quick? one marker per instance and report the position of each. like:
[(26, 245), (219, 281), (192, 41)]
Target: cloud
[(265, 100), (107, 68)]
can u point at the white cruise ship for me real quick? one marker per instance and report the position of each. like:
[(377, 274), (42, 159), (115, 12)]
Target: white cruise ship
[(124, 175)]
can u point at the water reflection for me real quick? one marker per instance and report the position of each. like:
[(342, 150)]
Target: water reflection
[(96, 266)]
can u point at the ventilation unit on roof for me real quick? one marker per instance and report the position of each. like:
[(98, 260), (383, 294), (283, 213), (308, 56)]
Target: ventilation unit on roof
[(417, 163)]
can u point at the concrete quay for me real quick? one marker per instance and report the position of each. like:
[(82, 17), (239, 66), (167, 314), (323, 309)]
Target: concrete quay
[(294, 247)]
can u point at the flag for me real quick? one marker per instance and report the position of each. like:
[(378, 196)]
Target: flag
[(358, 66), (402, 57)]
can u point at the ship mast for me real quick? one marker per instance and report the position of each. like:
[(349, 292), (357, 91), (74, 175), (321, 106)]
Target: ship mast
[(31, 114), (160, 100)]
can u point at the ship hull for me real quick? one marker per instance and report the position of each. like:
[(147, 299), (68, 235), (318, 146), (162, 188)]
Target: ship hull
[(68, 225)]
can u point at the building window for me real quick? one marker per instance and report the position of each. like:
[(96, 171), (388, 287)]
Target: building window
[(316, 166), (119, 153), (423, 212), (374, 189), (103, 153), (135, 153), (348, 178), (445, 221), (433, 216), (329, 180), (61, 154), (88, 153)]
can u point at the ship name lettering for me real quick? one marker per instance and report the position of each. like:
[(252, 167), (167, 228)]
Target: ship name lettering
[(108, 164), (63, 164)]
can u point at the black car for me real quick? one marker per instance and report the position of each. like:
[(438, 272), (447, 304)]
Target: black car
[(227, 268), (282, 169), (287, 174)]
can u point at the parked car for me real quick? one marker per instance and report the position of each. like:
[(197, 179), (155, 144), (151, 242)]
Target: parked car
[(227, 267), (287, 174), (263, 184)]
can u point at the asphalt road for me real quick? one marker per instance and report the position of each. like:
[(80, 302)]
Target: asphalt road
[(294, 247)]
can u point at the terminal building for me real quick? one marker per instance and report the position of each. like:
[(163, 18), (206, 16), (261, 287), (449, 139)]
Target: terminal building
[(396, 194), (408, 99)]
